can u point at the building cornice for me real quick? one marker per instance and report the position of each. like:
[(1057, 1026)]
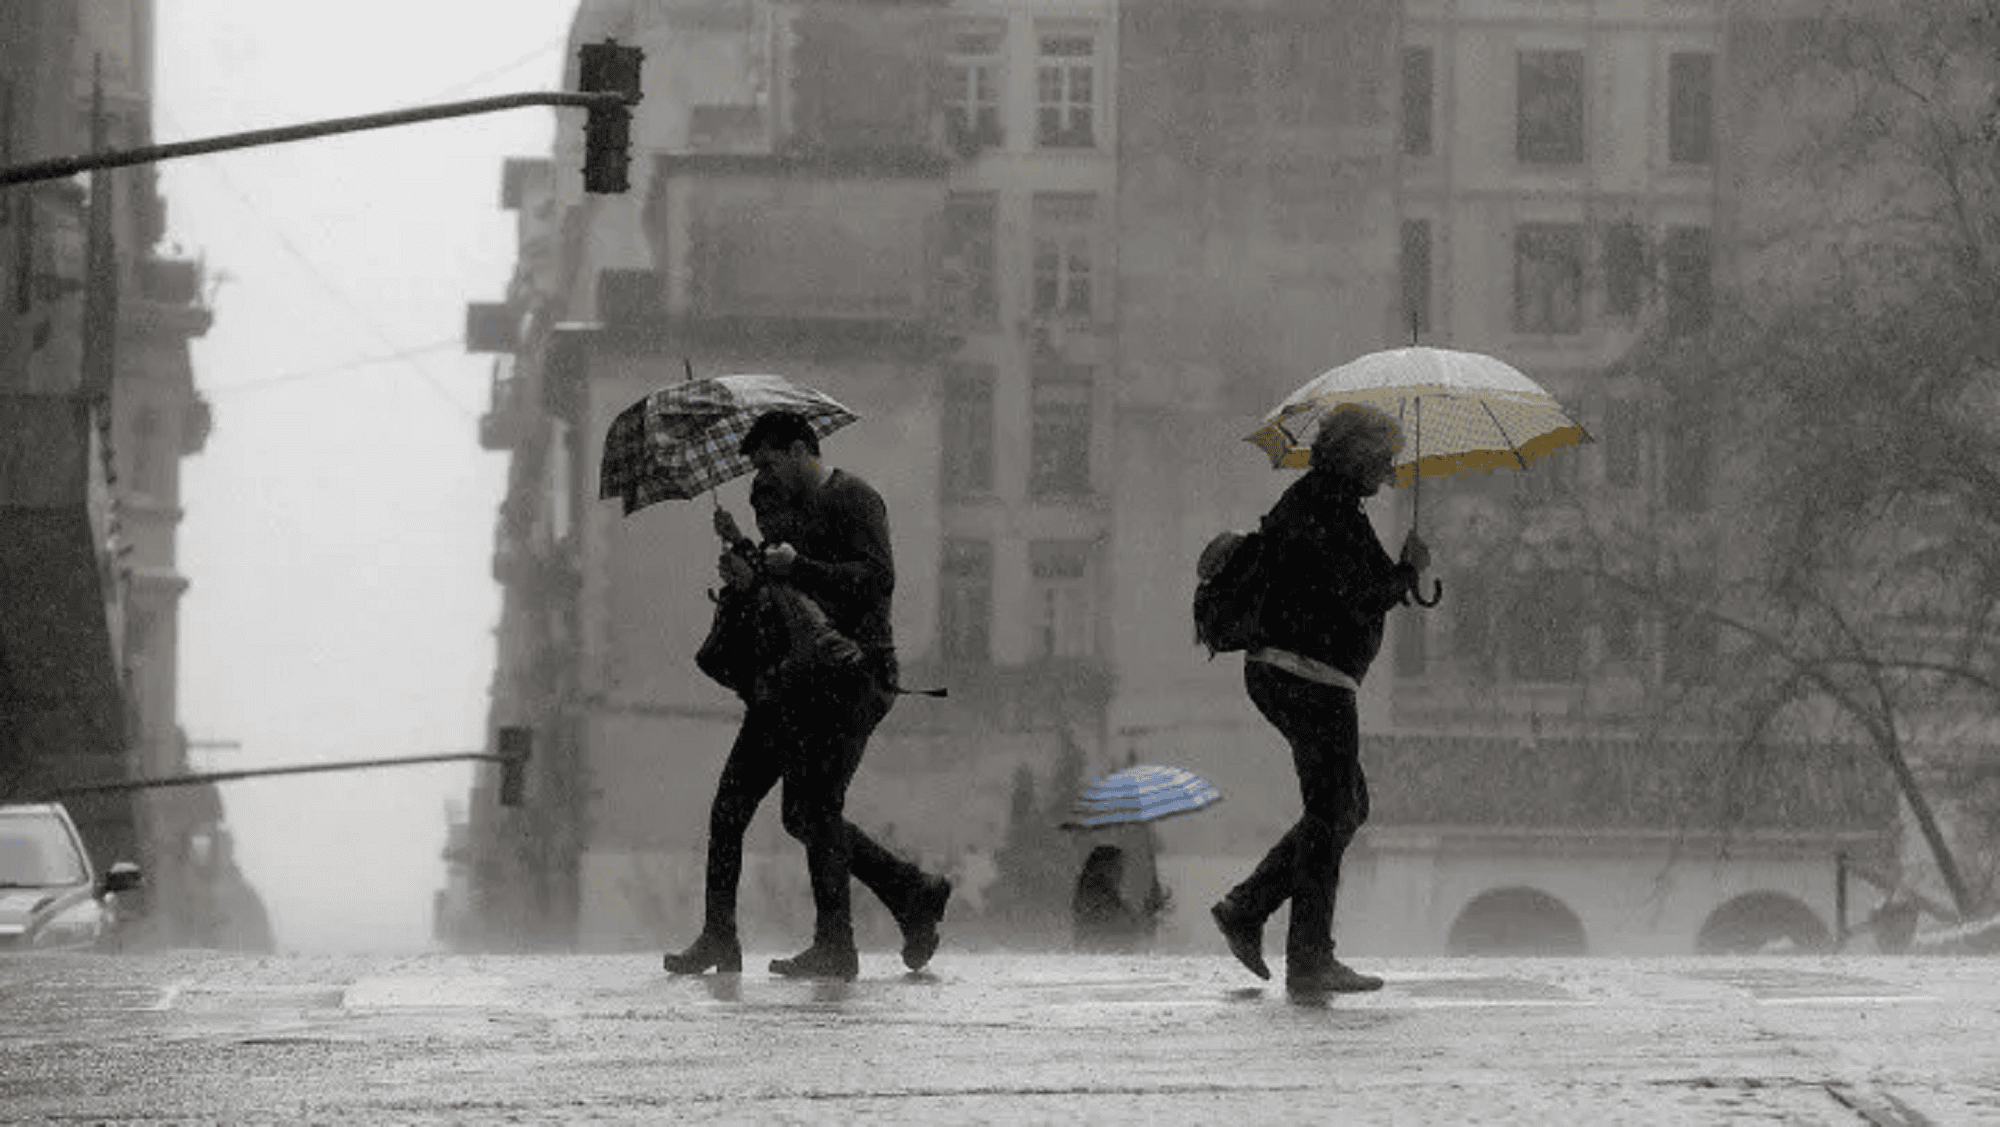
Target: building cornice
[(844, 163)]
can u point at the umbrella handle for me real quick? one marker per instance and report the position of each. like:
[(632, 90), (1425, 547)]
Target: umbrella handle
[(1437, 594)]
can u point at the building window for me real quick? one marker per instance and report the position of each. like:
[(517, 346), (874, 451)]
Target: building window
[(1544, 628), (1066, 92), (1685, 259), (7, 148), (1624, 268), (1416, 263), (1472, 621), (1618, 622), (1690, 107), (972, 99), (1686, 460), (966, 266), (1621, 443), (1419, 99), (965, 601), (1059, 432), (1061, 600), (149, 476), (1549, 108), (1064, 232), (1548, 481), (968, 430), (1690, 643), (1548, 278), (1303, 90)]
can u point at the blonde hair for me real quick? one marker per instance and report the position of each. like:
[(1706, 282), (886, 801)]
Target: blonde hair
[(1350, 425)]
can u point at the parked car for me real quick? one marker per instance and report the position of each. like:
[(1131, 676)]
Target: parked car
[(51, 897)]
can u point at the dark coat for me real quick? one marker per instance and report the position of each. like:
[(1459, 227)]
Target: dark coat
[(844, 563), (1331, 584)]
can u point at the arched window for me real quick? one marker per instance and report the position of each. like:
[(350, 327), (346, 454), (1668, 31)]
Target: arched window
[(1516, 921), (1761, 922)]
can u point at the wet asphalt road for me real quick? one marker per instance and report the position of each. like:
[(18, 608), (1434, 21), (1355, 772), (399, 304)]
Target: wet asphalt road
[(195, 1037)]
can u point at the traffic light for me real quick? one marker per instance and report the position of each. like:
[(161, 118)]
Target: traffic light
[(515, 744), (608, 68)]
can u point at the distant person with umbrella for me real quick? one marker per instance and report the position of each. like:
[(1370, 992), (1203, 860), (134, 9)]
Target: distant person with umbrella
[(1102, 921), (1139, 794), (812, 736), (1330, 584)]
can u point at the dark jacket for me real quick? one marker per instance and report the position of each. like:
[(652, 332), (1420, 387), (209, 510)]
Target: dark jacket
[(844, 563), (1331, 583)]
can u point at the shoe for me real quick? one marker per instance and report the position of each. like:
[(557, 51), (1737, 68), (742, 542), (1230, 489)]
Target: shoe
[(842, 963), (1335, 978), (920, 936), (725, 955), (1246, 939)]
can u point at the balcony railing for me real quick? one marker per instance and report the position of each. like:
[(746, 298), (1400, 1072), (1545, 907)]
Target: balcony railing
[(1625, 784)]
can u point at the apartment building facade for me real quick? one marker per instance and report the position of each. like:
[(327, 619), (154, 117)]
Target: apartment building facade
[(1061, 258)]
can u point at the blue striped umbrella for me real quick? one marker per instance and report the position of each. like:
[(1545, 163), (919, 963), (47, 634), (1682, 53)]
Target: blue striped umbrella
[(1140, 794)]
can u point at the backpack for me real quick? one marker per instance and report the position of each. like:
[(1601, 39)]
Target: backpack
[(1229, 593)]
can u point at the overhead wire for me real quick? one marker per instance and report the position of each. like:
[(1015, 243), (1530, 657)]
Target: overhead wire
[(504, 68), (338, 293), (331, 369), (327, 284)]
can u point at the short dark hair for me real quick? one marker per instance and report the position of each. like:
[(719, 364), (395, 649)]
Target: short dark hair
[(778, 430)]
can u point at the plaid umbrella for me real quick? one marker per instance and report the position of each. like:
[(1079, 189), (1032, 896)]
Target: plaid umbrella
[(1140, 794), (681, 440)]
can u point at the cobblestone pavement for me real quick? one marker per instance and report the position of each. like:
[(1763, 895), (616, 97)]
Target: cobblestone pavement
[(199, 1037)]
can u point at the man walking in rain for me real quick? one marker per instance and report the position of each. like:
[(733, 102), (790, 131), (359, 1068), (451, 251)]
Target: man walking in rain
[(812, 736), (1330, 585)]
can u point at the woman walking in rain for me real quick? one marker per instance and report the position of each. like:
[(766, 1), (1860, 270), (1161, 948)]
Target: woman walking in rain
[(1330, 585)]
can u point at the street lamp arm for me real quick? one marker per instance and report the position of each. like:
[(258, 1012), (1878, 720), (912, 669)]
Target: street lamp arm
[(70, 166)]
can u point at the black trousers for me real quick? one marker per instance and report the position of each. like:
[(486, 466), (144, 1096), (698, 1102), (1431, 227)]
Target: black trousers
[(1322, 726), (812, 741)]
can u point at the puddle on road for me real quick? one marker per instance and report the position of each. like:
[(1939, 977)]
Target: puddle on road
[(1765, 983), (1488, 989)]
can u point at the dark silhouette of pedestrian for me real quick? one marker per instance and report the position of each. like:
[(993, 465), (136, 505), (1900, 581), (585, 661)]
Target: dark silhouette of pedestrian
[(811, 733), (1103, 921), (1330, 585)]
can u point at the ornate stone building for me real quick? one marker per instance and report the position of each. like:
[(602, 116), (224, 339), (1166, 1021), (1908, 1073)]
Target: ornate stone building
[(1061, 257)]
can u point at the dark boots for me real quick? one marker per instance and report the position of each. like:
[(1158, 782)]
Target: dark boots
[(1245, 935), (920, 935), (1327, 976), (821, 960), (723, 953)]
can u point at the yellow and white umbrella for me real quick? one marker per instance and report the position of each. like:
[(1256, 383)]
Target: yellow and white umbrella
[(1462, 412)]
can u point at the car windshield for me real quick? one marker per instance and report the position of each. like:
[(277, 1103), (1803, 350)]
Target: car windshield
[(36, 851)]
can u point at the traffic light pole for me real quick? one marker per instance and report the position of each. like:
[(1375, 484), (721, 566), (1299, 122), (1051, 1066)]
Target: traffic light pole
[(515, 746), (70, 166), (258, 772)]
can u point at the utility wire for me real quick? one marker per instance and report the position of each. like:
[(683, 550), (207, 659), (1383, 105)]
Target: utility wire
[(327, 284), (551, 45), (504, 68), (331, 369)]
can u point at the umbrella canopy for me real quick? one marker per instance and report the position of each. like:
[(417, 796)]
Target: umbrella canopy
[(1462, 412), (681, 440), (1140, 794)]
